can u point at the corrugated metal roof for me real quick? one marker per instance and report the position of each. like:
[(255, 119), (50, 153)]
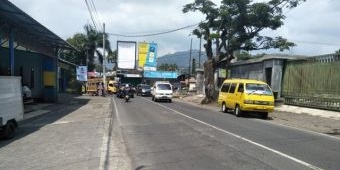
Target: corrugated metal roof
[(27, 31)]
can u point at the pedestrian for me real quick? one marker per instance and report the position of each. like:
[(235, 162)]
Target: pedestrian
[(100, 89)]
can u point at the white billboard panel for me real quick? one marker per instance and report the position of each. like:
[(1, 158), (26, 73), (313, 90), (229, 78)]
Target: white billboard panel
[(126, 58)]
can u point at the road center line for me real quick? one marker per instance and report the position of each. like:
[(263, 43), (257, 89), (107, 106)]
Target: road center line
[(244, 139)]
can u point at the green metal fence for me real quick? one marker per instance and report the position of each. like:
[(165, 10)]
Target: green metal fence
[(313, 82)]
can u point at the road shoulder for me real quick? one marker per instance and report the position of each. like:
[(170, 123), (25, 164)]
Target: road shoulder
[(315, 120)]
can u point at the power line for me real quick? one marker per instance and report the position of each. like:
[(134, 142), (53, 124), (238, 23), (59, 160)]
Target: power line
[(97, 18), (92, 18), (316, 43), (154, 34)]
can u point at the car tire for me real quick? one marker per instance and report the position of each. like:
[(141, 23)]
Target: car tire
[(224, 108), (170, 100), (9, 130), (238, 111), (264, 115)]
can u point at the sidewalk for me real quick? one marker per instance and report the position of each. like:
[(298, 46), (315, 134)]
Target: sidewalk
[(309, 111), (196, 99), (35, 109)]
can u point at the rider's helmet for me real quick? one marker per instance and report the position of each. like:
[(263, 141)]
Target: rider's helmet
[(126, 85)]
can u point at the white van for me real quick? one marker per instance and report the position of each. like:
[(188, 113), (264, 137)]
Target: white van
[(162, 90), (11, 105)]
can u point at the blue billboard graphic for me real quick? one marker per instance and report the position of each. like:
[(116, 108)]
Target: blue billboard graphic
[(151, 58), (160, 74)]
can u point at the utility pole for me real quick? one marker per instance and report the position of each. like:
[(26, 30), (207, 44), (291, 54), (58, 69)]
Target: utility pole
[(104, 75), (190, 57), (199, 53)]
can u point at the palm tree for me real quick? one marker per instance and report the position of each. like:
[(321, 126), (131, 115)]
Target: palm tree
[(87, 45), (94, 40)]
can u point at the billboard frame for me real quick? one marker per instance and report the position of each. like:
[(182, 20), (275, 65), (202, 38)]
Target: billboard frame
[(135, 58)]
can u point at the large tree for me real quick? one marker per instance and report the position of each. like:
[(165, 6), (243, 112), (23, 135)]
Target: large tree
[(236, 25), (87, 45)]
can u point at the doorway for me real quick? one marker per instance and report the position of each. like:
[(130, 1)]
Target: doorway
[(268, 73)]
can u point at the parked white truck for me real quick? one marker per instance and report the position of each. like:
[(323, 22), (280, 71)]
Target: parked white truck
[(11, 105)]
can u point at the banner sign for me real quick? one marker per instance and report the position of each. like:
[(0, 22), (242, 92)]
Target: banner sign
[(222, 73), (160, 74), (81, 73)]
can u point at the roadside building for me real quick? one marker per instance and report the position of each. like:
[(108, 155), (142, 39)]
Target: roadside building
[(30, 50)]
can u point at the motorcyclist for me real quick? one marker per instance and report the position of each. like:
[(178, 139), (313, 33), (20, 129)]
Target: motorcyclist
[(127, 89)]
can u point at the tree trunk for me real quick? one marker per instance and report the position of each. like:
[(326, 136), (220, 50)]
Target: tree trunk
[(209, 80)]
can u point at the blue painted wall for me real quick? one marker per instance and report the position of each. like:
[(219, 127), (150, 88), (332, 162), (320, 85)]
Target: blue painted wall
[(30, 66)]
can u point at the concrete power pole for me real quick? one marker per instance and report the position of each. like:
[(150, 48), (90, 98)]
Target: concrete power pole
[(190, 57), (104, 58)]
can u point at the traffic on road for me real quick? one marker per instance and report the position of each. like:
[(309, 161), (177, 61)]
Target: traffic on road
[(161, 135)]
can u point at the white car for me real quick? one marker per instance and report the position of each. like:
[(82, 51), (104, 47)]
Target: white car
[(162, 91)]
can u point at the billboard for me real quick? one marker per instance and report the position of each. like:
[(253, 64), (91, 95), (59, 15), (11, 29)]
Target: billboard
[(143, 48), (147, 55), (126, 54), (151, 58)]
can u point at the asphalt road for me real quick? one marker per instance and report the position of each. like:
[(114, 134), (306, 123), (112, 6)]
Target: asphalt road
[(181, 136), (108, 133)]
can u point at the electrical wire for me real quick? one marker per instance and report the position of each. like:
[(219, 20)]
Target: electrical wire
[(96, 16), (91, 15), (154, 34)]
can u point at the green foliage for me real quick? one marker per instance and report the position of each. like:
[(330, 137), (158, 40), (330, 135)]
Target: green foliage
[(167, 67), (243, 55), (337, 52), (86, 45), (77, 57), (236, 25)]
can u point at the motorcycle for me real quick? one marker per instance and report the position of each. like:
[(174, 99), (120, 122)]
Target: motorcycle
[(127, 97)]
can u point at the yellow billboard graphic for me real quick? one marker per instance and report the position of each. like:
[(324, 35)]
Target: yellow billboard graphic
[(143, 48)]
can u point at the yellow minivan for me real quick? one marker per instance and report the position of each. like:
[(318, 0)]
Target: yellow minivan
[(112, 87), (245, 95)]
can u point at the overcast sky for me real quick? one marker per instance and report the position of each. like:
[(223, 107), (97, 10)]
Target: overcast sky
[(314, 26)]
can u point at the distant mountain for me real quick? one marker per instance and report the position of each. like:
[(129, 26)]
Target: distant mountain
[(181, 59)]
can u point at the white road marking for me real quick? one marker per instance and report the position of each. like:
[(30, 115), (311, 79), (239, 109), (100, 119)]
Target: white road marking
[(104, 148), (116, 110), (244, 139)]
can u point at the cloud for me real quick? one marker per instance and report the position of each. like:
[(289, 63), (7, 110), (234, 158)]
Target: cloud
[(313, 25)]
